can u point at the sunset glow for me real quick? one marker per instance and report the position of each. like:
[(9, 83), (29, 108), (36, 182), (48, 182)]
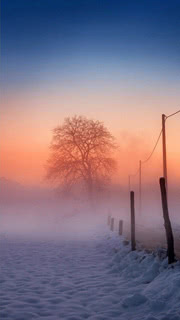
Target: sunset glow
[(90, 160), (97, 72)]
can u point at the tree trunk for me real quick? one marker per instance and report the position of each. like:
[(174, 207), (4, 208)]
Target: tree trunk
[(90, 191)]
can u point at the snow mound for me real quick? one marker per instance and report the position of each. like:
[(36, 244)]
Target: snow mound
[(134, 300)]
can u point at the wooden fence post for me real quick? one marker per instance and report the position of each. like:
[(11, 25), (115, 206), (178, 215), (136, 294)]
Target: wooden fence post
[(112, 224), (120, 227), (133, 241), (167, 222)]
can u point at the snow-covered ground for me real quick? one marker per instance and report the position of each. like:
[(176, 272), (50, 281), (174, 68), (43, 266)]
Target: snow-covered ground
[(92, 277)]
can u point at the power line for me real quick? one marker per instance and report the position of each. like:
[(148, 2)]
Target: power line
[(162, 132), (153, 148), (133, 175), (172, 114), (159, 136)]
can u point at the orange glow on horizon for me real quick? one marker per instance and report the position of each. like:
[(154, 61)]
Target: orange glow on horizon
[(28, 120)]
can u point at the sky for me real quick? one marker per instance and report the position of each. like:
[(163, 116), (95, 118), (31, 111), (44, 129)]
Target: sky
[(112, 60)]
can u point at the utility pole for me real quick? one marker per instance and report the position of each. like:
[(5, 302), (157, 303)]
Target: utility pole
[(140, 187), (164, 149)]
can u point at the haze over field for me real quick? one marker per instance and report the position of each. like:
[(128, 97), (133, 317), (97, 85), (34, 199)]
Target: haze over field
[(90, 118)]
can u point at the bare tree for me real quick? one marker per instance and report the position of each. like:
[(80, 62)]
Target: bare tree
[(81, 150)]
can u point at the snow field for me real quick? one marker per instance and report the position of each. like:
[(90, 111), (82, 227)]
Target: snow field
[(97, 277)]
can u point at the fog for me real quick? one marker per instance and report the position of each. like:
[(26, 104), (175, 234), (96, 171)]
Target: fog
[(41, 213), (49, 220)]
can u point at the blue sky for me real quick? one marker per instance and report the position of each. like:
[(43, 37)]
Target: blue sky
[(46, 41)]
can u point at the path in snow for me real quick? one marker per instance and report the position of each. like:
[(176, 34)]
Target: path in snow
[(94, 278)]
